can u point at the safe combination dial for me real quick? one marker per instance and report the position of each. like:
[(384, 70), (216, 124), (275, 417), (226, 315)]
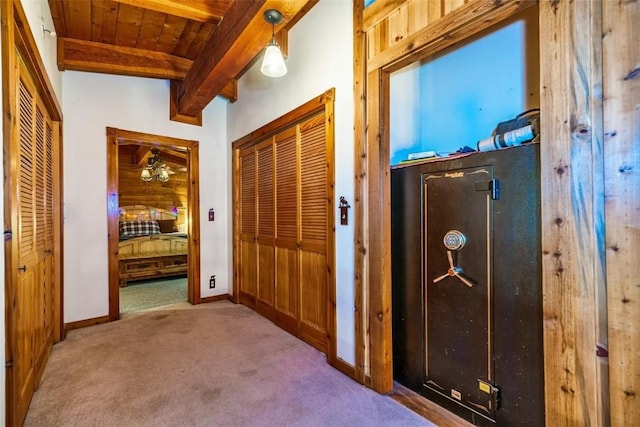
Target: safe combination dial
[(454, 240)]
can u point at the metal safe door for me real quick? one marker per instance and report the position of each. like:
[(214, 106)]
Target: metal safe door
[(457, 286)]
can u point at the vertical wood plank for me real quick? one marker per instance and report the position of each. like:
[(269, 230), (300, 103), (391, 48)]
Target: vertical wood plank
[(572, 263), (330, 264), (236, 225), (435, 11), (194, 222), (418, 15), (58, 233), (359, 202), (112, 223), (621, 61), (378, 222), (447, 6), (398, 24), (9, 132)]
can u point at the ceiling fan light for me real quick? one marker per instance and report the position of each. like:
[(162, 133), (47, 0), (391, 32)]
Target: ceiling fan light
[(163, 175), (273, 62), (145, 175)]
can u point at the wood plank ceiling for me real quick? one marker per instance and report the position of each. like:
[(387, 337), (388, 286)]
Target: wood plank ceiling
[(202, 46)]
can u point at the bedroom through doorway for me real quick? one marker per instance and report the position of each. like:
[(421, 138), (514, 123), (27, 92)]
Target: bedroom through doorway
[(152, 220)]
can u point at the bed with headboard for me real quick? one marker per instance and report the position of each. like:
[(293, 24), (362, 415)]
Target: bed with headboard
[(152, 244)]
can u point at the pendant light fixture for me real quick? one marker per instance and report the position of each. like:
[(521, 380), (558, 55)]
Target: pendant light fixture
[(273, 62)]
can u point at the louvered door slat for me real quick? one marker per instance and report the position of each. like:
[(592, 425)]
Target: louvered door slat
[(25, 174), (248, 193), (40, 180), (265, 192), (265, 217), (49, 184), (313, 180), (286, 177), (248, 247), (286, 192)]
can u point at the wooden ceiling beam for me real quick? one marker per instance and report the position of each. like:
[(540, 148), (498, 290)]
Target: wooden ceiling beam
[(57, 15), (81, 55), (174, 159), (241, 35), (210, 11), (141, 155)]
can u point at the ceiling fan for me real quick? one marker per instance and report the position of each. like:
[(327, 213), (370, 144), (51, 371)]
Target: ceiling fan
[(156, 169)]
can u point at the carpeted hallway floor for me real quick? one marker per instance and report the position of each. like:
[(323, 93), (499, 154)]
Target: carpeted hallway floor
[(218, 364)]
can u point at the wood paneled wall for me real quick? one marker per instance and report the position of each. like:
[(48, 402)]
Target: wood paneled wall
[(589, 187), (163, 195)]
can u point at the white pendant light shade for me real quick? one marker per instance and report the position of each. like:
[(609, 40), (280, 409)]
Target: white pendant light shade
[(273, 62), (163, 175), (145, 175)]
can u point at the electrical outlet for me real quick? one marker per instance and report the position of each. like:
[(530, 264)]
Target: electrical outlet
[(212, 282)]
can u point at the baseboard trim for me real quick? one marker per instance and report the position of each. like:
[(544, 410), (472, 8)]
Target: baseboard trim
[(426, 408), (344, 367), (214, 298), (84, 323)]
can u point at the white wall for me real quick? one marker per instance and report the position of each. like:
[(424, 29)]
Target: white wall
[(320, 57), (38, 13), (93, 102)]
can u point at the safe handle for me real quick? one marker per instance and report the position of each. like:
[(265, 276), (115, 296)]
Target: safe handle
[(453, 272)]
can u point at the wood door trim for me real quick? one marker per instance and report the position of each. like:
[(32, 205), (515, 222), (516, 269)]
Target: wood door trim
[(115, 137), (307, 109), (372, 262)]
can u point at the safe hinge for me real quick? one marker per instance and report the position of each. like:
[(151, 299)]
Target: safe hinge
[(492, 185), (491, 390)]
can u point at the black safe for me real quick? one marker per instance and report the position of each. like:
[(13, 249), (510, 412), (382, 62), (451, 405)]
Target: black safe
[(466, 284)]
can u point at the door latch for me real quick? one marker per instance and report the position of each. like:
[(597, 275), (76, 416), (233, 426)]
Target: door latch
[(492, 185)]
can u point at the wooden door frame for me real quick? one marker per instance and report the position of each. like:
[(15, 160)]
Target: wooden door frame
[(321, 104), (372, 171), (16, 35), (114, 138), (573, 283)]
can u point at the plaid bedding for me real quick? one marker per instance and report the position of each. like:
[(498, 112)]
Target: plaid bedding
[(139, 228)]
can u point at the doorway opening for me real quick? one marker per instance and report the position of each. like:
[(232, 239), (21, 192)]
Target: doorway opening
[(153, 221)]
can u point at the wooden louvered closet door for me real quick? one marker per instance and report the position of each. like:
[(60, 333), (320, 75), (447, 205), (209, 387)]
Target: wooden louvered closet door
[(265, 236), (313, 232), (247, 264), (33, 242), (286, 243), (284, 223)]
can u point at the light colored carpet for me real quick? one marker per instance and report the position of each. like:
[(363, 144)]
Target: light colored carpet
[(143, 295), (223, 366)]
